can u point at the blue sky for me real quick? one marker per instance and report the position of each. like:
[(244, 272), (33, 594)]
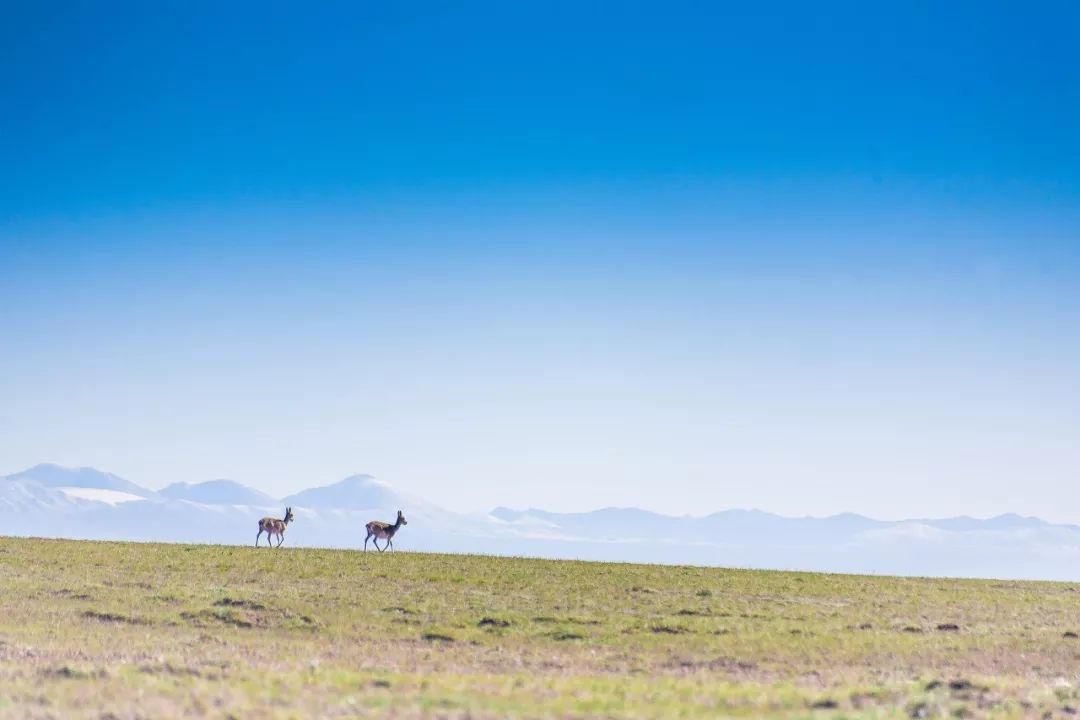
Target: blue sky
[(809, 258)]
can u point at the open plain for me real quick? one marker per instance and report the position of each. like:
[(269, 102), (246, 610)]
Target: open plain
[(127, 630)]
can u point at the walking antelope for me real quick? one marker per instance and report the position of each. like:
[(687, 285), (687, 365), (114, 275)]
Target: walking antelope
[(273, 526), (385, 531)]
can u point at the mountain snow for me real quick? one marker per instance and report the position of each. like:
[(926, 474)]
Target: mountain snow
[(109, 497), (50, 475), (53, 501)]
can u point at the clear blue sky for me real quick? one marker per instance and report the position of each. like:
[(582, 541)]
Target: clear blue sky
[(808, 257)]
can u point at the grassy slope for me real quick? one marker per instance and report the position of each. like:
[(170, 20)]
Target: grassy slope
[(137, 630)]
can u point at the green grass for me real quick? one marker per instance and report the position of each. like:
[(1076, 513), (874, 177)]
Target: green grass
[(140, 630)]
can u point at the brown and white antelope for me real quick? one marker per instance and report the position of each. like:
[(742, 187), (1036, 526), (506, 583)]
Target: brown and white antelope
[(384, 531), (273, 526)]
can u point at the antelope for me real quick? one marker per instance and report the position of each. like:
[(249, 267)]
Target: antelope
[(386, 531), (273, 526)]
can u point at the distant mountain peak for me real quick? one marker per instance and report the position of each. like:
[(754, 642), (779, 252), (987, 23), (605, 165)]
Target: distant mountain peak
[(57, 476), (356, 492), (217, 492), (362, 479)]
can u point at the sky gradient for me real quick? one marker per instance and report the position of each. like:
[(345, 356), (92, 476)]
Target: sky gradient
[(810, 259)]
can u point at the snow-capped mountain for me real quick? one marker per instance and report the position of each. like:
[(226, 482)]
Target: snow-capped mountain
[(357, 492), (57, 476), (49, 500), (218, 492), (19, 496)]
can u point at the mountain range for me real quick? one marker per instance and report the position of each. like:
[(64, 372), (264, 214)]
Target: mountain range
[(55, 501)]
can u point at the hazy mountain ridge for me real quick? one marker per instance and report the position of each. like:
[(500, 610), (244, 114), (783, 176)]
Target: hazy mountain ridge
[(217, 492), (50, 475), (49, 500), (355, 491)]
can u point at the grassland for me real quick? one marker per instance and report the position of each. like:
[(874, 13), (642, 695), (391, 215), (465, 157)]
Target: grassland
[(122, 630)]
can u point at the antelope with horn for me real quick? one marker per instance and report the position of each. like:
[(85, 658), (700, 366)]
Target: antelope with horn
[(384, 531), (273, 526)]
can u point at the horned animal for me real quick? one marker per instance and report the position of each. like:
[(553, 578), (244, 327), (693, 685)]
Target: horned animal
[(273, 526), (384, 531)]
